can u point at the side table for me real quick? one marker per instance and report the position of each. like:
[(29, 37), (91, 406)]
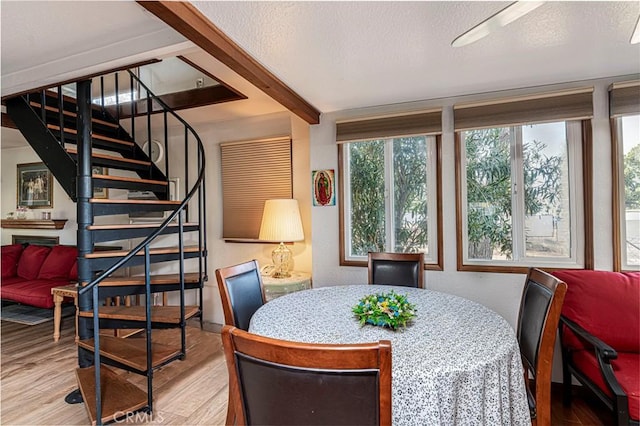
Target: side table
[(276, 287), (59, 293)]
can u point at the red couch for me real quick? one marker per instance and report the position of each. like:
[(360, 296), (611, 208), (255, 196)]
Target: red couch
[(600, 338), (29, 273)]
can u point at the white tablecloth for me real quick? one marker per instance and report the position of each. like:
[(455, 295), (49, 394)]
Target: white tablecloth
[(458, 363)]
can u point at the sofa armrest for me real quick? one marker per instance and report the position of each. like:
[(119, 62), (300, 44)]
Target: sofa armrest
[(604, 353)]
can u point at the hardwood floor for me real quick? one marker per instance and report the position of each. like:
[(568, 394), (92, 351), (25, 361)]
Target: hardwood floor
[(36, 374)]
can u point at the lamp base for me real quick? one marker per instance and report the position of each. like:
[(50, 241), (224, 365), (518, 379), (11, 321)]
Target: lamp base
[(281, 257)]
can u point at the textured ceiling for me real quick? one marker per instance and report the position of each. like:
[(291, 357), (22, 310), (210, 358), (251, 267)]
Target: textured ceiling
[(341, 55)]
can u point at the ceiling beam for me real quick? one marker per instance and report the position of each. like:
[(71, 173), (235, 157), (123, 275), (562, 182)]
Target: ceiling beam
[(191, 23)]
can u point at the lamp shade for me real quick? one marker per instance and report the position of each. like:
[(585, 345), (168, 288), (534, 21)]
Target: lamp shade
[(281, 221)]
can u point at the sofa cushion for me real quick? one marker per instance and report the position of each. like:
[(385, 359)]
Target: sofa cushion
[(626, 369), (6, 282), (31, 261), (73, 274), (58, 263), (606, 304), (32, 292), (10, 255)]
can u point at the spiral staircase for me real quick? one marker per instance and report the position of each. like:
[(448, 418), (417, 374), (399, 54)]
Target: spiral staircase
[(78, 131)]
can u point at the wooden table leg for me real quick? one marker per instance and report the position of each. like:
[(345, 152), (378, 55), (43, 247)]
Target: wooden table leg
[(57, 315)]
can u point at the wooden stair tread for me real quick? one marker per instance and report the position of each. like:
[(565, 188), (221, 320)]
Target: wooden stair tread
[(131, 352), (122, 253), (95, 136), (129, 179), (118, 226), (129, 201), (191, 277), (118, 395), (159, 314), (72, 114), (112, 157)]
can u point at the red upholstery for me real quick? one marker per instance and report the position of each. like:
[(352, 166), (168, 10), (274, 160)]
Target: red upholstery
[(73, 274), (606, 304), (31, 261), (10, 255), (626, 368), (59, 263), (33, 292), (38, 270)]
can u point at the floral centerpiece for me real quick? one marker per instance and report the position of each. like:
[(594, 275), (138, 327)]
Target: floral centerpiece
[(385, 310)]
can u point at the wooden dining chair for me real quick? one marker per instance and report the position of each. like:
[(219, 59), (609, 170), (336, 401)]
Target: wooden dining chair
[(403, 269), (538, 320), (278, 382), (242, 293)]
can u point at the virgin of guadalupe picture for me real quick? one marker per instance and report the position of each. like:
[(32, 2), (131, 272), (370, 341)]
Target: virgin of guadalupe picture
[(323, 188)]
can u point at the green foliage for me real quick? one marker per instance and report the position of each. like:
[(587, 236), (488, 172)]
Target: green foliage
[(632, 178), (367, 161), (489, 188), (367, 196), (390, 310)]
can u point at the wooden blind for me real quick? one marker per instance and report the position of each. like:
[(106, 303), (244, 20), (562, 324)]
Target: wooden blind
[(556, 106), (624, 98), (422, 123), (253, 172)]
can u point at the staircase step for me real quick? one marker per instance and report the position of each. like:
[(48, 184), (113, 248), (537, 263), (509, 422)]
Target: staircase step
[(159, 314), (94, 136), (118, 395), (107, 206), (113, 161), (102, 233), (189, 278), (132, 352), (72, 114), (121, 182), (106, 254)]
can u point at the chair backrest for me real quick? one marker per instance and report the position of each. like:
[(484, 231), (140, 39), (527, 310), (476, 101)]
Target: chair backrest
[(241, 292), (277, 382), (538, 319), (404, 269)]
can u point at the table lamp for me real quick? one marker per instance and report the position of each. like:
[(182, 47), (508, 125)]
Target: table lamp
[(281, 223)]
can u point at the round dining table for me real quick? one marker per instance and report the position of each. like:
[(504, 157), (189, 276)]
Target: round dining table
[(456, 363)]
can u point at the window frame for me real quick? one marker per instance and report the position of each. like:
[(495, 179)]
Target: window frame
[(583, 228), (620, 263), (435, 263)]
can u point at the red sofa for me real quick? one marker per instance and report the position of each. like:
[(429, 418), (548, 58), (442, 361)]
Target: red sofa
[(600, 337), (29, 273)]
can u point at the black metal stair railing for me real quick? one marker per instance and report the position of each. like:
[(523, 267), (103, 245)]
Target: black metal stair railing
[(197, 191)]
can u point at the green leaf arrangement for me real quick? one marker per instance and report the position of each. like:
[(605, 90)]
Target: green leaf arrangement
[(390, 310)]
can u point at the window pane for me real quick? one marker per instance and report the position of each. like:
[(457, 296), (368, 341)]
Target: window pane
[(489, 193), (546, 195), (410, 194), (367, 220), (631, 152)]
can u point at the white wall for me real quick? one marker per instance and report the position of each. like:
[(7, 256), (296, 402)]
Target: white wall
[(500, 292)]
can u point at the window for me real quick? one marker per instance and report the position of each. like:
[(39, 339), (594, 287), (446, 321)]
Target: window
[(625, 124), (520, 187), (389, 192)]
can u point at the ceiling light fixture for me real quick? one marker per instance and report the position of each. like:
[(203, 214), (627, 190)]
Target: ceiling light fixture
[(635, 37), (504, 17)]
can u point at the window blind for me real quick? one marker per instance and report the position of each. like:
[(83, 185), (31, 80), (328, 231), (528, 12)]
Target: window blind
[(253, 172), (422, 123), (624, 98), (567, 105)]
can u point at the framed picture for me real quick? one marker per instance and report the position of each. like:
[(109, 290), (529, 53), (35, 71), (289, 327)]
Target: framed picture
[(34, 186), (100, 192), (324, 190)]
